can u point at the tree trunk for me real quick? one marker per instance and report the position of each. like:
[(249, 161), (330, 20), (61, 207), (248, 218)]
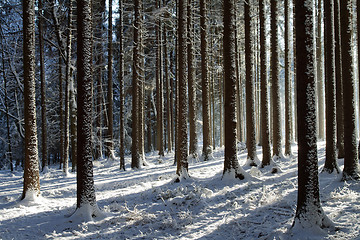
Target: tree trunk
[(351, 168), (86, 198), (205, 83), (181, 143), (44, 153), (31, 170), (264, 89), (250, 88), (329, 32), (232, 169), (288, 115), (309, 211), (275, 79), (339, 85), (192, 84), (121, 86), (320, 75), (109, 142)]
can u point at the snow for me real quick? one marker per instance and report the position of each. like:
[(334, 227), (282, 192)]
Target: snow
[(147, 204)]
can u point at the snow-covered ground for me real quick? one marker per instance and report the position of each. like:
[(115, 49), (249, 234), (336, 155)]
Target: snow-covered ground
[(146, 204)]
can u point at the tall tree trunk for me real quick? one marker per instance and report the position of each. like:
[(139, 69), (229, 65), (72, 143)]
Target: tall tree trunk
[(86, 198), (264, 88), (205, 83), (351, 163), (339, 86), (182, 139), (320, 75), (159, 87), (358, 48), (67, 82), (122, 86), (192, 83), (288, 117), (168, 93), (73, 123), (232, 168), (309, 211), (31, 170), (44, 153), (329, 36), (110, 101), (250, 87), (275, 79)]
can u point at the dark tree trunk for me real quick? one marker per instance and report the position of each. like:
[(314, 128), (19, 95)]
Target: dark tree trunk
[(275, 79), (205, 83), (44, 153), (288, 117), (122, 86), (86, 199), (192, 84), (250, 87), (330, 161), (109, 142), (31, 168), (232, 168), (265, 135), (351, 168), (339, 86), (309, 211), (182, 139)]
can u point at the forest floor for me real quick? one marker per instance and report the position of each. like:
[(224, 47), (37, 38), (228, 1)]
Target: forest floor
[(146, 204)]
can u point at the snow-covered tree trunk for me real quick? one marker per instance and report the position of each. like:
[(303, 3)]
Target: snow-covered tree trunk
[(265, 135), (330, 90), (275, 79), (86, 199), (192, 84), (182, 139), (351, 162), (309, 214), (205, 83), (232, 169), (31, 169), (250, 87)]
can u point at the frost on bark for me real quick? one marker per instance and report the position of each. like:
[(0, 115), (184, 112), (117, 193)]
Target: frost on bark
[(309, 213), (205, 83), (339, 86), (109, 141), (275, 79), (44, 150), (86, 200), (330, 90), (232, 169), (192, 84), (351, 164), (265, 134), (358, 44), (31, 169), (288, 107), (121, 88), (250, 88), (182, 139)]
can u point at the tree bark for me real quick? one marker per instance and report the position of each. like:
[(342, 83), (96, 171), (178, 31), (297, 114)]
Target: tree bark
[(351, 166), (121, 86), (31, 168), (309, 211)]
